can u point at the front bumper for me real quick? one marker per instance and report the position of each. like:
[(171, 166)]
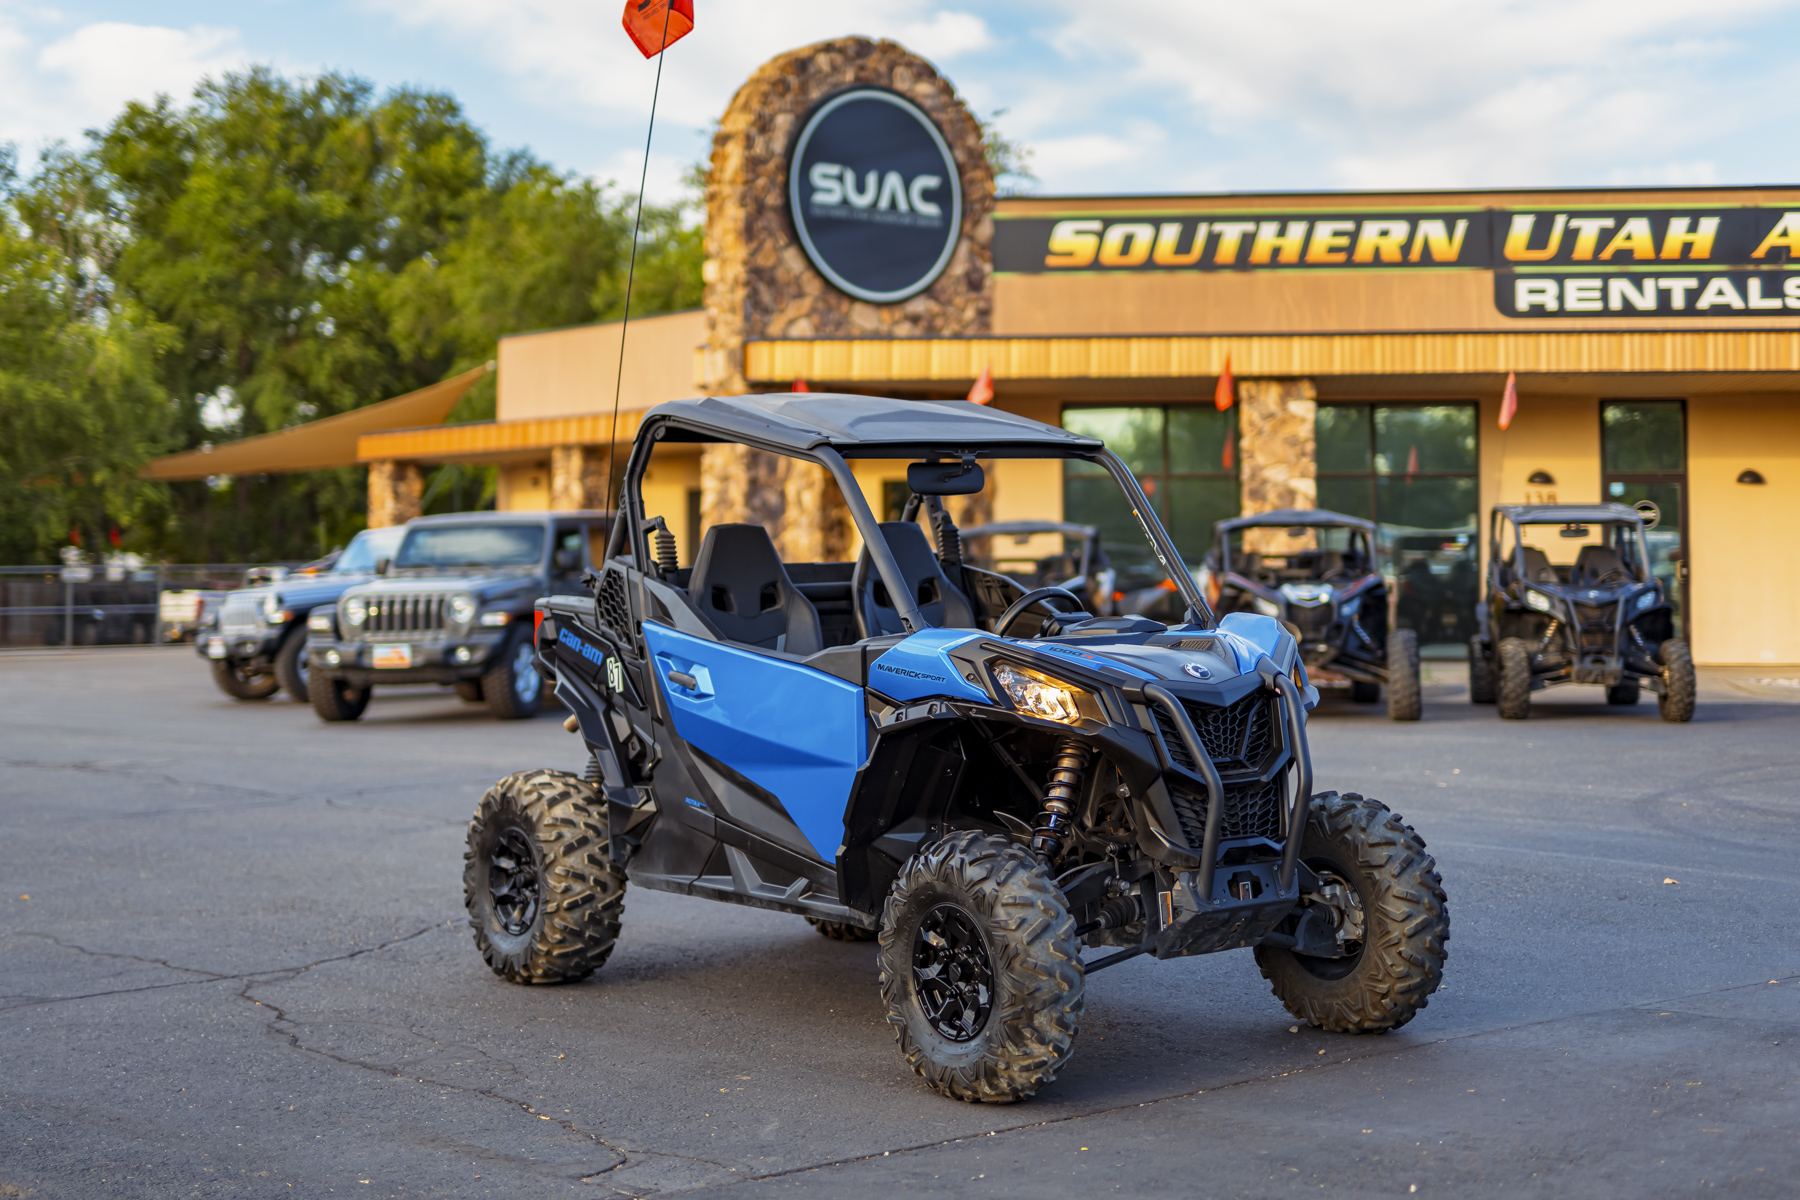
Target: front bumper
[(446, 660), (237, 647)]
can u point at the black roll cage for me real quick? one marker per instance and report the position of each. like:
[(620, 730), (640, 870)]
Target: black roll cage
[(657, 427)]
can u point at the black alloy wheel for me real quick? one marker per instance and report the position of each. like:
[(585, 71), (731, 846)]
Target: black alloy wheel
[(513, 882), (952, 973)]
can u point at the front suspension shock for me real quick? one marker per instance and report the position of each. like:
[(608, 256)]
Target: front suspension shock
[(1060, 793)]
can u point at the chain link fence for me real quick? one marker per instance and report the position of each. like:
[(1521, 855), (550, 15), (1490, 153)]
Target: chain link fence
[(105, 604)]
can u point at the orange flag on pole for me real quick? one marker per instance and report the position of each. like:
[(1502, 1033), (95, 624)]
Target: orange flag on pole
[(799, 386), (1509, 400), (983, 391), (655, 25), (1226, 392)]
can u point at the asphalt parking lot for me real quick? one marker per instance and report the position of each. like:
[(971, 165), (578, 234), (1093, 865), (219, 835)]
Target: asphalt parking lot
[(243, 970)]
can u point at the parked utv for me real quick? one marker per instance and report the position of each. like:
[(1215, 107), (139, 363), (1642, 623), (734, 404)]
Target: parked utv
[(1587, 610), (1017, 549), (454, 607), (981, 776), (1319, 572), (255, 638)]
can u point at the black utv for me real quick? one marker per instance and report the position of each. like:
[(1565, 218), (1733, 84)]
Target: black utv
[(1571, 599), (1046, 553), (984, 777), (1319, 572)]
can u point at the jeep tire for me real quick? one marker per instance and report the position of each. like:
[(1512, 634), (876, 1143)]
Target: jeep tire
[(239, 684), (1395, 890), (1405, 702), (335, 699), (1515, 680), (468, 690), (1677, 700), (512, 688), (290, 666), (1481, 674), (543, 894), (842, 931), (980, 968)]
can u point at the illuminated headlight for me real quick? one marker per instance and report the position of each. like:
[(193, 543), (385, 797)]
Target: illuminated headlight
[(462, 609), (319, 622), (1266, 607), (1537, 600), (1645, 601), (496, 618), (356, 610), (272, 611), (1350, 608), (1039, 695)]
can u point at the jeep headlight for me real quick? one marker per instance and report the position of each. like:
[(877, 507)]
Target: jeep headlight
[(1038, 695), (356, 610), (1538, 600), (273, 613), (462, 609), (319, 621)]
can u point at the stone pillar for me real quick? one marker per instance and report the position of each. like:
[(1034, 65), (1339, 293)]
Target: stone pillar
[(395, 490), (1280, 459), (578, 477)]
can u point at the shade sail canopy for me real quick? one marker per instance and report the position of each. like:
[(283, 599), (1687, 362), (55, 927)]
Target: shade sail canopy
[(321, 444)]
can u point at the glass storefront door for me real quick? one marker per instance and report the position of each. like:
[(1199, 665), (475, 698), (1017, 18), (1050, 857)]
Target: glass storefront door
[(1643, 453)]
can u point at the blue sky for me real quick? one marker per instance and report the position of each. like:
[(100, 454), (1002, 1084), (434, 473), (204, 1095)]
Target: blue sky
[(1196, 96)]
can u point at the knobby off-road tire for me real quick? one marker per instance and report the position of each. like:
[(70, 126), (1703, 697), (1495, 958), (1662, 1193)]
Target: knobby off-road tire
[(335, 699), (1622, 695), (1405, 700), (234, 682), (842, 931), (512, 688), (1481, 675), (543, 894), (1514, 700), (1406, 922), (290, 666), (1006, 956), (1677, 700)]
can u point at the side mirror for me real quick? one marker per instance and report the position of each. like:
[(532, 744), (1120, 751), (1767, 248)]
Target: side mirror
[(945, 478), (382, 565)]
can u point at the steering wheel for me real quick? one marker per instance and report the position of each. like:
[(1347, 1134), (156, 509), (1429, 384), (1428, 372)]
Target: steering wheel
[(1339, 574), (1615, 578), (1017, 607)]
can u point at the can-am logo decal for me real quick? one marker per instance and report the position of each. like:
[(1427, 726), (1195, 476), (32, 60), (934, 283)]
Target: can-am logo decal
[(1196, 670), (875, 195)]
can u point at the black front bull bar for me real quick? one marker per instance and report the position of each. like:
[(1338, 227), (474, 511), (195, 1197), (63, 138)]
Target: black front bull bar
[(1211, 923)]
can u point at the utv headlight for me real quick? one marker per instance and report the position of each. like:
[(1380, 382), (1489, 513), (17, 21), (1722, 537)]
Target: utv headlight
[(1645, 601), (1038, 695), (462, 609), (1538, 600), (356, 610), (1266, 607), (273, 613)]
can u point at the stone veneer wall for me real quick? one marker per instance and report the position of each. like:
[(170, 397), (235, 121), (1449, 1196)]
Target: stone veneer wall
[(1280, 457), (395, 492), (759, 284)]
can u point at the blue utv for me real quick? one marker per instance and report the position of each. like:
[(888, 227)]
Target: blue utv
[(1005, 791)]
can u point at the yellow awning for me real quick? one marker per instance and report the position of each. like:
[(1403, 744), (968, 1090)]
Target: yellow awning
[(317, 445), (496, 441)]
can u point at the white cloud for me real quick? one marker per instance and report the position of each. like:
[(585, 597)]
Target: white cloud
[(55, 87)]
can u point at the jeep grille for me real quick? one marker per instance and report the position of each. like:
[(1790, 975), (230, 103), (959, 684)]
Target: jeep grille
[(241, 615), (414, 615)]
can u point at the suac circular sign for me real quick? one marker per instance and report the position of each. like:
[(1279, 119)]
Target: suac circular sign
[(875, 195)]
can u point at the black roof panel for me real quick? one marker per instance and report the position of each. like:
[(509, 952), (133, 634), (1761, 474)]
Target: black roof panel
[(862, 426), (1293, 516)]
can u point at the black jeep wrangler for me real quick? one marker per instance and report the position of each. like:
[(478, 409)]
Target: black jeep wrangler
[(1588, 610), (1319, 572), (906, 748), (255, 637), (453, 606)]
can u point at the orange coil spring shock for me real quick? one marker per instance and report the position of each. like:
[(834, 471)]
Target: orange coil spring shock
[(1060, 793)]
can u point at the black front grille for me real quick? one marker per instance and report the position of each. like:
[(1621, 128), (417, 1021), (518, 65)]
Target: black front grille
[(1313, 622), (1178, 751), (610, 605), (1251, 810), (1237, 737), (1597, 625)]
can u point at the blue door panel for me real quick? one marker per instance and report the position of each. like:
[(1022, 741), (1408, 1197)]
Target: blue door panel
[(793, 731)]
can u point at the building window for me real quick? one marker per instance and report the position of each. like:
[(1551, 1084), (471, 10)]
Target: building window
[(1412, 469), (1184, 457), (1643, 456)]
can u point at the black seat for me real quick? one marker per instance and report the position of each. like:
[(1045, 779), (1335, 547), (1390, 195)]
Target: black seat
[(1538, 568), (939, 600), (1595, 563), (741, 586)]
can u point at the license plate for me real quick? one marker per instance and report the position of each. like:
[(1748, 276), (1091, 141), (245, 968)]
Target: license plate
[(391, 656), (215, 648)]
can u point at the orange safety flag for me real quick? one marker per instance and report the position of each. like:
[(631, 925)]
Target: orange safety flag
[(1509, 400), (1225, 455), (983, 391), (1226, 392), (655, 25), (799, 386)]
